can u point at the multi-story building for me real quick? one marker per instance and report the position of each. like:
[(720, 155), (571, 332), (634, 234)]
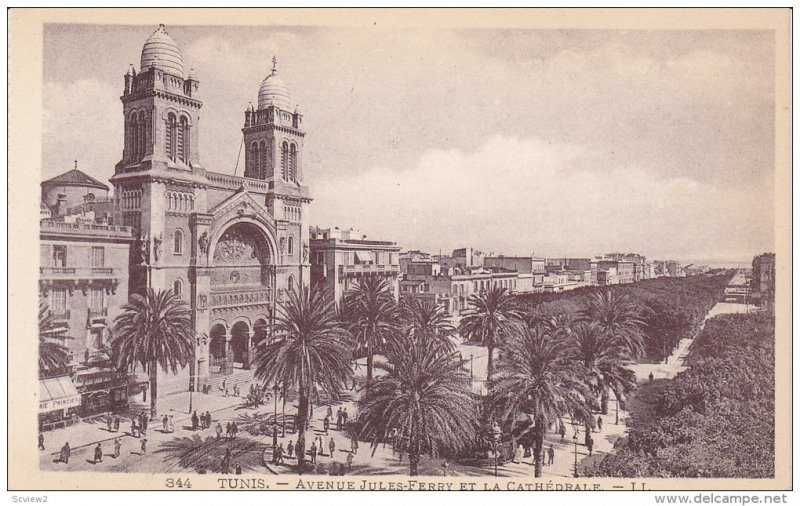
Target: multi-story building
[(763, 277), (532, 268), (230, 246), (462, 258), (83, 282), (340, 258)]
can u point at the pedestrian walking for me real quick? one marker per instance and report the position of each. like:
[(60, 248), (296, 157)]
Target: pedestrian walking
[(171, 424), (117, 448), (143, 425), (354, 445), (225, 465), (329, 413), (321, 445), (290, 449), (144, 446), (219, 430), (332, 446), (195, 421), (339, 419), (349, 461), (224, 386), (278, 457), (344, 417), (65, 453), (116, 423), (134, 428), (651, 377), (165, 423), (228, 431), (551, 456), (41, 441), (599, 423), (518, 454), (234, 429), (314, 452), (98, 453), (208, 419), (326, 423), (238, 468), (109, 422), (562, 430), (590, 445)]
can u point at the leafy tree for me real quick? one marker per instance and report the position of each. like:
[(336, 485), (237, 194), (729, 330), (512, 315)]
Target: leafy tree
[(312, 351), (154, 330), (492, 315), (371, 315), (537, 380), (53, 355), (426, 396)]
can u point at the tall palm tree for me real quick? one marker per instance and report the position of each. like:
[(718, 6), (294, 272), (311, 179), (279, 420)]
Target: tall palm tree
[(52, 354), (312, 351), (370, 313), (490, 317), (618, 317), (605, 363), (426, 396), (155, 331), (537, 381), (429, 322)]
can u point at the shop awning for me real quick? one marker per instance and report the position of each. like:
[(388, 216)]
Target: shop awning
[(363, 256), (57, 393)]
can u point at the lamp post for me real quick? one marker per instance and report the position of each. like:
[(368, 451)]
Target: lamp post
[(575, 442), (470, 366), (616, 412), (283, 414), (275, 418), (496, 433)]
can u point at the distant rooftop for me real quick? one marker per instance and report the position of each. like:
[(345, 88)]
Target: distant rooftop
[(75, 177)]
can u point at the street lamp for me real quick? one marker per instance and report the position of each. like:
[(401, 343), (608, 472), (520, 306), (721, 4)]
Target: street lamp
[(470, 366), (275, 418), (616, 412), (283, 414), (496, 433), (575, 442)]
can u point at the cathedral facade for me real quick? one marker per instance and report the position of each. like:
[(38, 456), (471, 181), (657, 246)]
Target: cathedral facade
[(230, 246)]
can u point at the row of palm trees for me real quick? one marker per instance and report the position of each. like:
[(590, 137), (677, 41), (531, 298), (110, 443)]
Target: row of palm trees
[(547, 368)]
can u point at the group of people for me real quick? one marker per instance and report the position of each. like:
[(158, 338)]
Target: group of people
[(547, 456), (112, 423), (203, 421), (168, 424), (139, 425)]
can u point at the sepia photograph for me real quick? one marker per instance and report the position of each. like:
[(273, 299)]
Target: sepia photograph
[(522, 249)]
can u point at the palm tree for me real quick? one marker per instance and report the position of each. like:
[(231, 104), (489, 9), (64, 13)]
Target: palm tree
[(490, 317), (156, 331), (537, 381), (312, 351), (617, 317), (370, 312), (605, 362), (52, 354), (426, 396), (427, 321)]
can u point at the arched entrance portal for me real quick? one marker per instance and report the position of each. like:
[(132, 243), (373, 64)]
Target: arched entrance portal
[(217, 350), (259, 333), (242, 278), (240, 345)]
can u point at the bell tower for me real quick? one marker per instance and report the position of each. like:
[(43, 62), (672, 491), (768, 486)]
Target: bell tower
[(160, 110)]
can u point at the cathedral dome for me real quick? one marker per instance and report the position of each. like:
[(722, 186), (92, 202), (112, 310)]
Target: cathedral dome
[(273, 91), (161, 51)]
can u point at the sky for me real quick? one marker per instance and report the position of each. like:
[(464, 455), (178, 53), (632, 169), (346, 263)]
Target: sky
[(553, 142)]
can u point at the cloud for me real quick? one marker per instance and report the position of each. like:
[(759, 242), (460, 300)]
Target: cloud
[(514, 196)]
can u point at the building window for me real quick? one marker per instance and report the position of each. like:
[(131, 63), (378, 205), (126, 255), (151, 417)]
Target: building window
[(58, 302), (177, 246), (177, 287), (97, 299), (171, 141), (183, 140), (98, 256), (59, 256), (290, 246), (285, 160), (292, 162), (290, 283)]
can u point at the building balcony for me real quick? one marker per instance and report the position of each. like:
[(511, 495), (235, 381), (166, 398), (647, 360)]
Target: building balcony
[(233, 299), (52, 273), (368, 269), (98, 313), (60, 314)]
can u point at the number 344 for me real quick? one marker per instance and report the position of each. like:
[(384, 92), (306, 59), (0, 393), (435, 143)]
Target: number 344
[(179, 483)]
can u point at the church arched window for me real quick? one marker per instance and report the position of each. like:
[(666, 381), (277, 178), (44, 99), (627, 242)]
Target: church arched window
[(290, 246), (177, 287), (171, 140), (141, 128), (177, 247), (293, 162), (284, 160), (254, 155), (290, 283), (183, 140), (262, 167), (132, 140), (269, 160)]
